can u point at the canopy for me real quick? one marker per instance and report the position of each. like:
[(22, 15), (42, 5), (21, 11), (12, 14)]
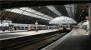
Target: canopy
[(62, 20)]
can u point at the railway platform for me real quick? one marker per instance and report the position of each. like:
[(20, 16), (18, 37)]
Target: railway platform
[(17, 34), (77, 39)]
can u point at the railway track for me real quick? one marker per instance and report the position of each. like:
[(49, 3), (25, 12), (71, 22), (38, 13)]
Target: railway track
[(35, 42)]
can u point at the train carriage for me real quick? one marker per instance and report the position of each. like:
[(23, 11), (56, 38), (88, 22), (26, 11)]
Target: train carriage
[(37, 27)]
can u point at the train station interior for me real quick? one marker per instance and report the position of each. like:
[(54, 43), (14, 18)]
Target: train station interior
[(38, 25)]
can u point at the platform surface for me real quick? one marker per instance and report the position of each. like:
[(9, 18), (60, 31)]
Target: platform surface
[(7, 35), (77, 39)]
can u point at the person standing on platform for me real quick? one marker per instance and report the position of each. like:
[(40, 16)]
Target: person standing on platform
[(36, 23)]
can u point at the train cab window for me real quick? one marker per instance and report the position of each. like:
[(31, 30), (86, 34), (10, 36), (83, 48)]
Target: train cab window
[(22, 28), (26, 28)]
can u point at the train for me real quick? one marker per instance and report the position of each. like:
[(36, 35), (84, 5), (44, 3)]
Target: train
[(36, 27), (62, 28), (42, 27), (33, 27)]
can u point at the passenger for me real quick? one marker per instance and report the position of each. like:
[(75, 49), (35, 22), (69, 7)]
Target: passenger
[(87, 23), (64, 29), (14, 28)]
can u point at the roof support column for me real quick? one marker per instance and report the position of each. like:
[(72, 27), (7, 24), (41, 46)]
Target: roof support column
[(89, 11)]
